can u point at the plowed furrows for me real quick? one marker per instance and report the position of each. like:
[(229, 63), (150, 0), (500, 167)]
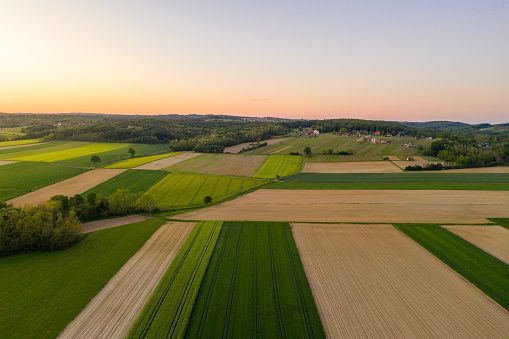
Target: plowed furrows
[(113, 311), (372, 281)]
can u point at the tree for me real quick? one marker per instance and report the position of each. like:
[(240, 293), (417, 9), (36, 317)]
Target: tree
[(307, 151), (131, 151), (95, 159), (207, 199)]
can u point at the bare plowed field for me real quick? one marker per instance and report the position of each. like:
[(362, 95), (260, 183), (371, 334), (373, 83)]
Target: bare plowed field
[(110, 223), (239, 147), (351, 167), (371, 281), (491, 239), (71, 186), (162, 163), (389, 206), (113, 311)]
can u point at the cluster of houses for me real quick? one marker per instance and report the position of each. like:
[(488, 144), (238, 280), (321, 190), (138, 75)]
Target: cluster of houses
[(309, 133)]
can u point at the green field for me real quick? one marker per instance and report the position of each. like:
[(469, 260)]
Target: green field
[(279, 165), (167, 313), (397, 181), (42, 292), (183, 190), (138, 161), (488, 273), (136, 181), (255, 287), (11, 133), (362, 150), (504, 222), (22, 177), (19, 142)]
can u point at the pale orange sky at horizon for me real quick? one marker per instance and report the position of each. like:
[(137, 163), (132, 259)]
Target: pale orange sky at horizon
[(294, 59)]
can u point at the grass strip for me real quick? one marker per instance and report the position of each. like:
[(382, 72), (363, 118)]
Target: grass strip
[(488, 273), (167, 313), (504, 222)]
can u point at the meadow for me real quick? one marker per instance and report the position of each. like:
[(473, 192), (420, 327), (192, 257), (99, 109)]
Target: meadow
[(22, 177), (138, 161), (185, 190), (167, 313), (11, 133), (136, 181), (18, 142), (255, 287), (42, 292), (396, 181), (279, 166), (488, 273)]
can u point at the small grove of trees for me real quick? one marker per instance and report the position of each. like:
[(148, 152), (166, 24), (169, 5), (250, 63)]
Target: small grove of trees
[(95, 159), (307, 151), (207, 200), (131, 152), (36, 228)]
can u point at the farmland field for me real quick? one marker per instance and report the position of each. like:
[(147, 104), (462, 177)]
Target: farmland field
[(138, 161), (136, 181), (491, 239), (114, 310), (351, 167), (34, 149), (396, 181), (373, 281), (19, 142), (181, 190), (363, 150), (279, 165), (11, 133), (221, 164), (371, 206), (489, 274), (255, 287), (168, 311), (19, 178), (166, 162), (237, 148), (42, 292)]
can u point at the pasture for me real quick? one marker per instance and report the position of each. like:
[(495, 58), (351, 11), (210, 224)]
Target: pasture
[(22, 177), (138, 161), (115, 308), (185, 190), (167, 313), (221, 164), (136, 181), (255, 287), (369, 206), (279, 166), (396, 181), (42, 292), (488, 273), (373, 281)]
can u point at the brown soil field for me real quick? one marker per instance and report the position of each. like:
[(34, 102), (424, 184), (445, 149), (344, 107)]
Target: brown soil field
[(496, 169), (372, 206), (113, 311), (371, 281), (351, 167), (492, 239), (393, 158), (6, 162), (243, 165), (71, 186), (162, 163), (239, 147), (110, 223), (19, 146)]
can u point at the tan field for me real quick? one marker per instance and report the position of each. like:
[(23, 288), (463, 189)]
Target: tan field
[(373, 206), (393, 158), (417, 161), (239, 147), (110, 223), (351, 167), (280, 150), (113, 311), (6, 162), (71, 186), (491, 239), (222, 164), (162, 163), (371, 281), (496, 169)]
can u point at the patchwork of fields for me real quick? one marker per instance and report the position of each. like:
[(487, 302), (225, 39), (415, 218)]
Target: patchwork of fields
[(279, 166), (138, 161), (136, 181)]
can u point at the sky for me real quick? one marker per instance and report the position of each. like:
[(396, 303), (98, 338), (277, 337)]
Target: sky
[(393, 60)]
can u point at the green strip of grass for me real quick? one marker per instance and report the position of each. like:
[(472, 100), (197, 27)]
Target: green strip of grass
[(504, 222), (167, 313), (136, 181), (42, 292), (255, 287), (400, 181), (488, 273)]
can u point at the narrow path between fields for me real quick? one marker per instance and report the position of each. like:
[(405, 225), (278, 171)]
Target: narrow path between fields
[(110, 223), (114, 310)]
